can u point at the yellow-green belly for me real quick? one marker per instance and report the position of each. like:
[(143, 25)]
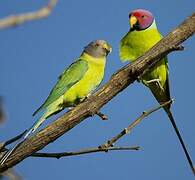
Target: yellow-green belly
[(85, 86), (135, 44)]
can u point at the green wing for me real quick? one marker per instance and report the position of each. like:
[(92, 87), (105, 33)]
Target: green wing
[(66, 80)]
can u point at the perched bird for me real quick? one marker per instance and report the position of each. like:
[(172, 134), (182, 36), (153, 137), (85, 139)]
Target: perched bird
[(73, 85), (143, 34)]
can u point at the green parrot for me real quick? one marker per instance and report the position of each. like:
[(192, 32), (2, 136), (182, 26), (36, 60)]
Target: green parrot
[(143, 34), (75, 84)]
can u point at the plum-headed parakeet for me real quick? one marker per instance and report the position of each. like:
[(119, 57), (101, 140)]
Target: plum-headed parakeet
[(143, 34), (73, 85)]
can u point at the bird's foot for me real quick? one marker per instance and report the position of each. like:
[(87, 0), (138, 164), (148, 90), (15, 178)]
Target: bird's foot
[(70, 108), (157, 81), (85, 98), (139, 79), (177, 48)]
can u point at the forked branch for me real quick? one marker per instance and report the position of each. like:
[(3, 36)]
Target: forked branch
[(15, 20), (118, 82)]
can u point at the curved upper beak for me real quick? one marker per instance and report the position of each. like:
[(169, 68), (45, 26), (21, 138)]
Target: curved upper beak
[(108, 48), (132, 21)]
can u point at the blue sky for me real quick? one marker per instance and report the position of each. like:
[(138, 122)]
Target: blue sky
[(34, 54)]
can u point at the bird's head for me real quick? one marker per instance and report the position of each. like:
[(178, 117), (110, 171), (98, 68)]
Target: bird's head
[(98, 48), (140, 19)]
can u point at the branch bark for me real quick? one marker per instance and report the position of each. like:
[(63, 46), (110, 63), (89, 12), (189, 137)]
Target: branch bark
[(118, 82), (15, 20), (110, 142), (109, 145)]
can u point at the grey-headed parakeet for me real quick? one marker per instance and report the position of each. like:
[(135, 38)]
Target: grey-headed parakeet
[(76, 82)]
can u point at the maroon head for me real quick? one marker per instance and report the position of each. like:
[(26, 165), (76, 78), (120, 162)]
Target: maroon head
[(140, 19)]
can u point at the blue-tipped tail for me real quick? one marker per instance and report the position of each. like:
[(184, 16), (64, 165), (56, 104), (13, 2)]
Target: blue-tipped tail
[(21, 140)]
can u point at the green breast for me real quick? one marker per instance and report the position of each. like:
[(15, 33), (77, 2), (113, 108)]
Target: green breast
[(136, 43), (86, 85)]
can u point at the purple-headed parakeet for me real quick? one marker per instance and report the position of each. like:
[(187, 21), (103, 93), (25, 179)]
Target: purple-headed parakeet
[(142, 35)]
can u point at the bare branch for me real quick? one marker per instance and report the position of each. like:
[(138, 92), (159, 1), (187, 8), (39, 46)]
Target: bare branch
[(125, 131), (108, 146), (84, 151), (118, 82), (10, 174), (15, 20), (10, 141), (101, 115)]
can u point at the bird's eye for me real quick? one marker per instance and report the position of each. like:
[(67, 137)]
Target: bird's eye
[(143, 16)]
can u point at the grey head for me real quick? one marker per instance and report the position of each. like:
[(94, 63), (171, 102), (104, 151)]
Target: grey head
[(98, 48)]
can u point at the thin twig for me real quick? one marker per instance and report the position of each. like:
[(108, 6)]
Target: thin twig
[(108, 146), (125, 131), (102, 116), (10, 141), (15, 20), (84, 151), (117, 83), (10, 174)]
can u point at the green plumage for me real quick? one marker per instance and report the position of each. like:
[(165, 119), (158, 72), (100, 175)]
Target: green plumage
[(73, 85), (66, 80), (76, 82), (134, 44)]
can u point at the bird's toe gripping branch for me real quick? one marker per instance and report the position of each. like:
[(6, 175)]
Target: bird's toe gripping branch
[(177, 48), (157, 81)]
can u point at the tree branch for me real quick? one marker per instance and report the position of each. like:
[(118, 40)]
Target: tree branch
[(84, 151), (15, 20), (110, 143), (10, 141), (108, 146), (118, 82), (101, 115)]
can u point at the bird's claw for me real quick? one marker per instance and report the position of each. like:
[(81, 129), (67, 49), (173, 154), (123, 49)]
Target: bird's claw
[(157, 81)]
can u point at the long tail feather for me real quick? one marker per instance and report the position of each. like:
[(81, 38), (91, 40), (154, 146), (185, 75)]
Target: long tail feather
[(180, 139), (34, 127), (22, 139), (7, 154)]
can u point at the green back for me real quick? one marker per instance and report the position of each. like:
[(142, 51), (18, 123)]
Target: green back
[(66, 80)]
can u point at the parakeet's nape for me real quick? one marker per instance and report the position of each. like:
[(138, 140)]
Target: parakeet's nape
[(143, 34), (76, 82)]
